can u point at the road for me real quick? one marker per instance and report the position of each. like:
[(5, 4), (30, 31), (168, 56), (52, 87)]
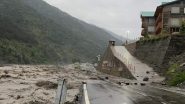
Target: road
[(101, 92), (135, 66)]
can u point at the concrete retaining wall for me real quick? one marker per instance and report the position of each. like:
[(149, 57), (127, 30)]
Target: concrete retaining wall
[(158, 53)]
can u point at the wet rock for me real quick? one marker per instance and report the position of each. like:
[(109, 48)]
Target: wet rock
[(107, 78), (147, 72), (21, 75), (142, 84), (18, 97), (119, 83), (163, 83), (127, 83), (5, 76), (145, 79)]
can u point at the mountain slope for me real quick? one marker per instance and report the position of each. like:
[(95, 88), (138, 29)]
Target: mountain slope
[(32, 31)]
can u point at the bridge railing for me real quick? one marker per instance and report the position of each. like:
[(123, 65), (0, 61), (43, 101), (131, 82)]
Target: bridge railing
[(84, 94), (61, 92)]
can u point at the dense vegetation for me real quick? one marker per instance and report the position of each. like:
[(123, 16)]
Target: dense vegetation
[(176, 72), (32, 31), (176, 75)]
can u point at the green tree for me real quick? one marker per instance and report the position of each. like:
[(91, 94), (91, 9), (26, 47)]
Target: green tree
[(182, 29)]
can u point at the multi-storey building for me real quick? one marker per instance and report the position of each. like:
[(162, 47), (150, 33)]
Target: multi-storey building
[(148, 23), (168, 17)]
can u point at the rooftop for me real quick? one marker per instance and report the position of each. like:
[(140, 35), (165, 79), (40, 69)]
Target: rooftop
[(170, 2), (147, 14), (164, 3)]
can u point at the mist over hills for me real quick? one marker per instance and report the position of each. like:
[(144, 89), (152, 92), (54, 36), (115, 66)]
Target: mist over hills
[(34, 32)]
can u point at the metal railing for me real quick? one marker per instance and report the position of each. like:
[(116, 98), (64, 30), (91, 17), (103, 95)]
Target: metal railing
[(61, 92), (84, 95)]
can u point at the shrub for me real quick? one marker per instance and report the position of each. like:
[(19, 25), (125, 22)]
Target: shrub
[(172, 69), (175, 76), (182, 29)]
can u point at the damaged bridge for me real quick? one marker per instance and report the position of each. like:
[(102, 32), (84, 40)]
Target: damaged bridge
[(119, 62)]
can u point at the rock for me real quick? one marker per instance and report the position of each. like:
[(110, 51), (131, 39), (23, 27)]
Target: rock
[(145, 79), (127, 83), (25, 83), (6, 71), (20, 74), (5, 76), (142, 84), (18, 97), (163, 83), (119, 83), (147, 72)]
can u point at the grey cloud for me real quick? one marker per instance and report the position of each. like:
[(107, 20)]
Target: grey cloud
[(117, 16)]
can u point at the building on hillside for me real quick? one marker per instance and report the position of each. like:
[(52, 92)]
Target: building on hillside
[(169, 16), (112, 65), (148, 23)]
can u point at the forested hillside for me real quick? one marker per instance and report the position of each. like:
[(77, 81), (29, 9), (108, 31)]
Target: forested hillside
[(34, 32)]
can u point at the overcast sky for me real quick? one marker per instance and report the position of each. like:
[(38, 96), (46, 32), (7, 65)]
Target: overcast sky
[(117, 16)]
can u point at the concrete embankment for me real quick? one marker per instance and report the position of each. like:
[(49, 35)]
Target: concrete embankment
[(157, 53)]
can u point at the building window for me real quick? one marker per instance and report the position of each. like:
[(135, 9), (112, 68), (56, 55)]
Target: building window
[(175, 29), (151, 28), (175, 10), (175, 22), (151, 21)]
